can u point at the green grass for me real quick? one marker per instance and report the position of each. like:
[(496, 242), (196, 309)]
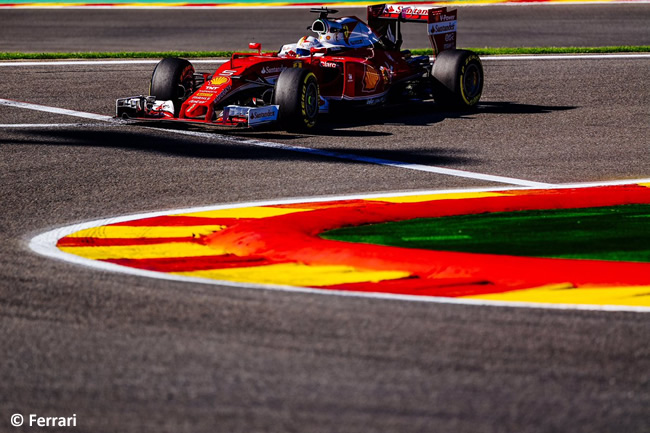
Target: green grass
[(211, 54), (603, 233)]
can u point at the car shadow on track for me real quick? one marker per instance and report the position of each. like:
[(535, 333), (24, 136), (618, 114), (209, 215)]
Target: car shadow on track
[(233, 146), (214, 146), (426, 113)]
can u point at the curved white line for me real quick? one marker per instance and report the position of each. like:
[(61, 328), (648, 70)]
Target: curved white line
[(45, 244)]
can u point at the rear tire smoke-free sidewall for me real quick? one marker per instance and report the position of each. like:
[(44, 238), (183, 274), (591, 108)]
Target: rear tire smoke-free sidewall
[(457, 79)]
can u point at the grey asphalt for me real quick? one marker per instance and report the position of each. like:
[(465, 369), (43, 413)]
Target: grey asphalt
[(65, 30), (131, 354)]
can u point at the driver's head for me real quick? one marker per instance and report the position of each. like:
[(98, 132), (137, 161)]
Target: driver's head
[(305, 44)]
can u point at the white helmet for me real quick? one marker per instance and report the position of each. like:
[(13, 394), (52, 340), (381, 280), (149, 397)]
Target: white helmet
[(305, 44)]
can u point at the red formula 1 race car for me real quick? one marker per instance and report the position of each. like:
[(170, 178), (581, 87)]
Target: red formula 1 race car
[(347, 62)]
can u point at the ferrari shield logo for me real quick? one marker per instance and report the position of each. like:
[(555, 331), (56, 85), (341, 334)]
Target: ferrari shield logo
[(370, 78)]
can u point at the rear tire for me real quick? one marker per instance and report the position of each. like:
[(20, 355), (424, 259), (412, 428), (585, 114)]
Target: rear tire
[(172, 79), (457, 79), (296, 92)]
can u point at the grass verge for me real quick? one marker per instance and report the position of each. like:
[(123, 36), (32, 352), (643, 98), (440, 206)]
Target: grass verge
[(211, 54), (618, 233)]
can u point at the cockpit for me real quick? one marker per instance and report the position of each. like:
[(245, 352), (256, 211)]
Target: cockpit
[(343, 33), (335, 34)]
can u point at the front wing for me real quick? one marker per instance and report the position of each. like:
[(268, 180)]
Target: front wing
[(147, 108)]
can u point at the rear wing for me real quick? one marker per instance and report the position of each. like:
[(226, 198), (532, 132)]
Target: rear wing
[(385, 20)]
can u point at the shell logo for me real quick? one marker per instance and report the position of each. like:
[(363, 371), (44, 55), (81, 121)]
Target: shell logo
[(217, 81)]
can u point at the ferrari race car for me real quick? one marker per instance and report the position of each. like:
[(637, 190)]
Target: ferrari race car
[(348, 62)]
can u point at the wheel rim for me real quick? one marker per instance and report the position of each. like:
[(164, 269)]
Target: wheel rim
[(311, 100), (472, 81)]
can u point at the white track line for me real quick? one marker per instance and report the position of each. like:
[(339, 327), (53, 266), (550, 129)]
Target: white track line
[(319, 152), (55, 110), (45, 244), (370, 160)]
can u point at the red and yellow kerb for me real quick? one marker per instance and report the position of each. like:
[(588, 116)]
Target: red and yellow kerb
[(280, 245)]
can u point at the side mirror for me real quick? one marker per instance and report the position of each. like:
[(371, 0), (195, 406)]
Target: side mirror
[(317, 50), (256, 46)]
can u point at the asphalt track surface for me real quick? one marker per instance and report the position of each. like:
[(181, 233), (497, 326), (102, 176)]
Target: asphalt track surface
[(34, 30), (132, 354)]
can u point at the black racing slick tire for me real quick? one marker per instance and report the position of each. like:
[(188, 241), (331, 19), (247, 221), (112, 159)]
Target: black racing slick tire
[(457, 79), (296, 92), (172, 80)]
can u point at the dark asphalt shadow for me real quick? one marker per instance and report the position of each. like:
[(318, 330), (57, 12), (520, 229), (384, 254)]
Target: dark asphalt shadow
[(155, 141), (420, 113), (424, 113)]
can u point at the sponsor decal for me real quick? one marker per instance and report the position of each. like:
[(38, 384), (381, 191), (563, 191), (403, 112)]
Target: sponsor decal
[(205, 94), (370, 78), (414, 12), (442, 27), (218, 81), (329, 65), (268, 113), (267, 70), (411, 12), (224, 92), (375, 101), (199, 99), (297, 64)]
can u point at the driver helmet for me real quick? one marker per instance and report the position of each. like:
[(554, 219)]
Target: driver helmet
[(305, 44)]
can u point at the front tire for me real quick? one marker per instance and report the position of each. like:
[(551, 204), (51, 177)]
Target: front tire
[(172, 79), (296, 92), (457, 79)]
